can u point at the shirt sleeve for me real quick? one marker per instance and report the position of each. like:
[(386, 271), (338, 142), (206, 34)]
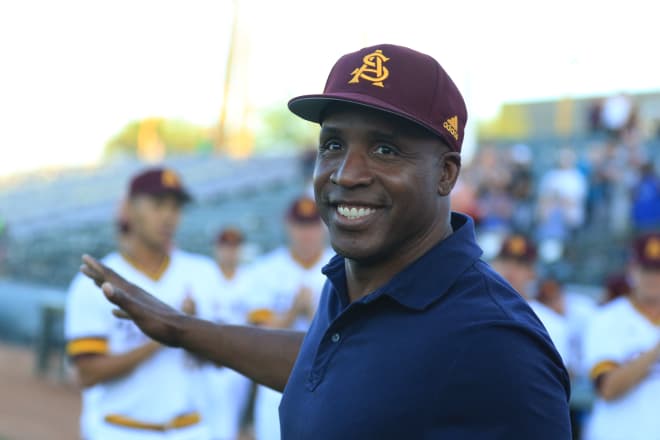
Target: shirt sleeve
[(508, 383), (88, 319)]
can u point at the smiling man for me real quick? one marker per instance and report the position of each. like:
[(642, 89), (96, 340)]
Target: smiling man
[(414, 336)]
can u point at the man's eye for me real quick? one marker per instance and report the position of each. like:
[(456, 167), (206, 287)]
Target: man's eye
[(330, 146), (385, 149)]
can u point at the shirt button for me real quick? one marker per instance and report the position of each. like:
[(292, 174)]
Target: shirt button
[(335, 338)]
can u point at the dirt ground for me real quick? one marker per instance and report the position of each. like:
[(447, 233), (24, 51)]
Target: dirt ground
[(31, 407)]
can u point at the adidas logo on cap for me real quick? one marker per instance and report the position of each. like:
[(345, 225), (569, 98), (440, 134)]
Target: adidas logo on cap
[(451, 125)]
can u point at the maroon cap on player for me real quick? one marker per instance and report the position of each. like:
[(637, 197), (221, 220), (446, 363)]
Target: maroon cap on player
[(158, 181), (616, 285), (303, 210), (519, 248), (230, 237), (646, 250), (396, 80)]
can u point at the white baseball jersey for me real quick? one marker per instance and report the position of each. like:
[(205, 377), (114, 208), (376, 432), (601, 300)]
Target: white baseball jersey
[(160, 389), (277, 278), (226, 392), (556, 325), (617, 334)]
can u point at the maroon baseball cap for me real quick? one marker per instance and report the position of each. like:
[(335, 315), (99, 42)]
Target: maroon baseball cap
[(616, 285), (396, 80), (646, 249), (519, 248), (303, 210), (158, 181)]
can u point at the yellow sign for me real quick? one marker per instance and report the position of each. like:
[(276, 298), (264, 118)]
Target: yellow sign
[(372, 69)]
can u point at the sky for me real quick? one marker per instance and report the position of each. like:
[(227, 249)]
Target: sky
[(75, 72)]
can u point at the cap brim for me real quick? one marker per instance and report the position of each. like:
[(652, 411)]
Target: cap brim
[(182, 195), (311, 108), (651, 266)]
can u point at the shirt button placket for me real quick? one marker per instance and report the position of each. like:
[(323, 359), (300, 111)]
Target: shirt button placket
[(335, 337)]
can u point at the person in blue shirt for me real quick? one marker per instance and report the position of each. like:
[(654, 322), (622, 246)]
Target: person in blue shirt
[(646, 200), (415, 336)]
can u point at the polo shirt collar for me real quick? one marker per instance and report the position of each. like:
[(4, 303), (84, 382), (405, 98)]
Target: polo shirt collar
[(425, 280)]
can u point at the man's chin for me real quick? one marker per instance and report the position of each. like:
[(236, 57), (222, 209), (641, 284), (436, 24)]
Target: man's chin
[(356, 252), (162, 245)]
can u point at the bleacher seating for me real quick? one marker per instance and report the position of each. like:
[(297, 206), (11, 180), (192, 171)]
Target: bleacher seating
[(76, 211)]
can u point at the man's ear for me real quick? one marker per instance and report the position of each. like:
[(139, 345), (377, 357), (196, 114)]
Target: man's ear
[(451, 166)]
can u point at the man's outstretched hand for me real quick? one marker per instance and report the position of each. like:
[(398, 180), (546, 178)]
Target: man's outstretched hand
[(266, 356), (155, 318)]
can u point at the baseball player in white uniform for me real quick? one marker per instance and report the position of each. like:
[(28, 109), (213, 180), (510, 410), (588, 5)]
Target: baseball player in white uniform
[(289, 283), (577, 309), (623, 350), (134, 389), (516, 263), (226, 391)]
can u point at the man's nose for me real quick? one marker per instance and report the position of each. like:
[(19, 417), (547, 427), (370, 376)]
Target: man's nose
[(354, 170)]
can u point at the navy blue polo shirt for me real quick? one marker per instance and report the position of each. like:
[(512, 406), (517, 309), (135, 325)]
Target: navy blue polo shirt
[(445, 350)]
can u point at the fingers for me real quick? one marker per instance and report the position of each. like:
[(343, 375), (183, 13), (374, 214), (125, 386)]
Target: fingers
[(118, 297), (100, 273), (92, 264), (90, 269)]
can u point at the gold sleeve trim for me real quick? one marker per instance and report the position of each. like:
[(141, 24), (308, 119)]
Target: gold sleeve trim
[(82, 346)]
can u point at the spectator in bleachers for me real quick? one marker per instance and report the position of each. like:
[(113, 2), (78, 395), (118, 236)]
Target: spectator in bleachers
[(618, 115), (521, 188), (492, 178), (598, 184), (646, 200), (621, 167), (562, 199), (594, 121), (623, 353)]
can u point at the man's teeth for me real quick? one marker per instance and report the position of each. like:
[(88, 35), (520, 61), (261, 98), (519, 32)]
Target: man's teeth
[(354, 212)]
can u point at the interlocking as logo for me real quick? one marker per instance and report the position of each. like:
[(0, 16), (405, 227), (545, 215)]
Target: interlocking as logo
[(372, 69)]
